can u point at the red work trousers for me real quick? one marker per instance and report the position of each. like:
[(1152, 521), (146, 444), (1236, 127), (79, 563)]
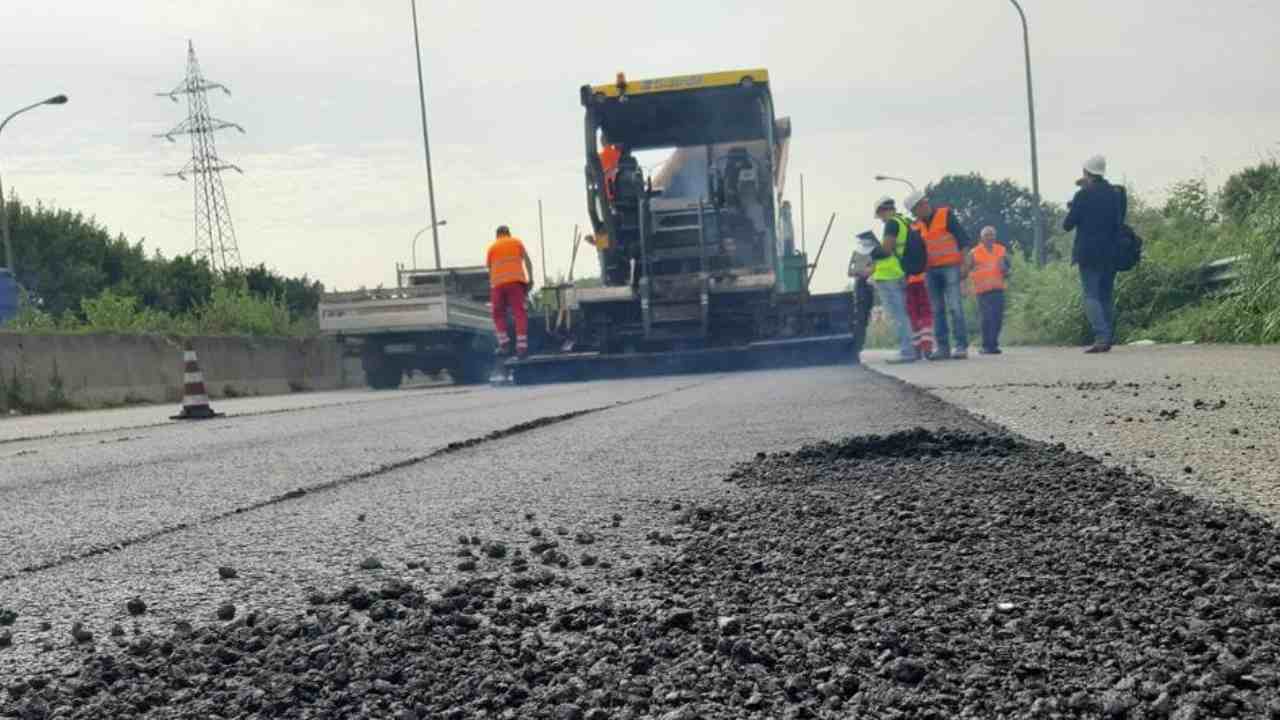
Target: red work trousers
[(921, 314), (510, 296)]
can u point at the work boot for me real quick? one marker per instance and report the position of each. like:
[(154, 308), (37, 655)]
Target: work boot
[(960, 354), (1098, 348), (942, 353)]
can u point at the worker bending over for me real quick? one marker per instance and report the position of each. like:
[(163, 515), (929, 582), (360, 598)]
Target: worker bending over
[(988, 267), (509, 271), (945, 240)]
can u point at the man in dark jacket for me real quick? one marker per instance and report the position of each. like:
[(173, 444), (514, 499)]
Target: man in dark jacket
[(1095, 214)]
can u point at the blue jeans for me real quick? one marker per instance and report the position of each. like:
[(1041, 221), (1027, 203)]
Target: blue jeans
[(893, 296), (1099, 286), (945, 299)]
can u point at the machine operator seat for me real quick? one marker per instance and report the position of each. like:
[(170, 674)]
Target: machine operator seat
[(740, 176), (742, 193), (630, 178)]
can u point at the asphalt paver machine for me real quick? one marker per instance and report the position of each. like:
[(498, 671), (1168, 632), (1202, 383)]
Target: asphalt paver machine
[(699, 268)]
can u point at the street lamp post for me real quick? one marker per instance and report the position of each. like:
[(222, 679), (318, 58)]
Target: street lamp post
[(432, 228), (426, 144), (4, 204), (1041, 254), (908, 183)]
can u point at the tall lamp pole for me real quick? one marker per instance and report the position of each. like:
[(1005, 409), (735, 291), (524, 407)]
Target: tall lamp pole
[(426, 144), (1041, 254), (4, 204), (908, 183), (415, 242)]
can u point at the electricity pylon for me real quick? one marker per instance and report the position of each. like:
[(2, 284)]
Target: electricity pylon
[(215, 236)]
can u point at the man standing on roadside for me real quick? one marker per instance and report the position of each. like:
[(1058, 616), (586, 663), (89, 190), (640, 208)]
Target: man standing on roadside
[(988, 269), (945, 240), (509, 271), (890, 280), (863, 298), (1096, 213)]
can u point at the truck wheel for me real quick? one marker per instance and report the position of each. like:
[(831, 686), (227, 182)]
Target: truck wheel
[(472, 369), (385, 377)]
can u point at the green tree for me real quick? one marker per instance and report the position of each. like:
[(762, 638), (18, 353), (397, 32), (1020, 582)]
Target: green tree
[(61, 256), (301, 295), (185, 283), (1005, 205), (65, 259), (1244, 190), (1191, 200)]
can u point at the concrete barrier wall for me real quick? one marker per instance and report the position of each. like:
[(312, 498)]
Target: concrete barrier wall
[(96, 370)]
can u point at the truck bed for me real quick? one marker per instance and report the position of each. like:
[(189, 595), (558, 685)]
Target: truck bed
[(399, 310)]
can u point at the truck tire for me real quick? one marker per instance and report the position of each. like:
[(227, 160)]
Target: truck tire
[(385, 377), (472, 369), (380, 371)]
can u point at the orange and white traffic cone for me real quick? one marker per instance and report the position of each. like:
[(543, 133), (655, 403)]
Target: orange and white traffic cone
[(195, 400)]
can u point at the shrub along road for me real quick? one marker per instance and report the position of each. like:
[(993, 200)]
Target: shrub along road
[(595, 563)]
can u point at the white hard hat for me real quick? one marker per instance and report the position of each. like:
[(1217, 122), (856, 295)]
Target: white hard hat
[(1096, 165), (884, 202), (913, 199)]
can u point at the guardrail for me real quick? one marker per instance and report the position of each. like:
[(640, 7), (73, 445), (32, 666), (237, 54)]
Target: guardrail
[(1219, 276)]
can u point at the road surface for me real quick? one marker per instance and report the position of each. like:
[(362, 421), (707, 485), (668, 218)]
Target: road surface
[(658, 547), (1205, 418), (106, 506)]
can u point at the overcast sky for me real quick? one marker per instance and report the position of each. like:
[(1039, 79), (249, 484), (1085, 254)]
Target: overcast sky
[(335, 183)]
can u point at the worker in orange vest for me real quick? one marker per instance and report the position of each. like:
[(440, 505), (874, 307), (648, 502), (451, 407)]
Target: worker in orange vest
[(945, 240), (609, 157), (509, 272), (988, 266)]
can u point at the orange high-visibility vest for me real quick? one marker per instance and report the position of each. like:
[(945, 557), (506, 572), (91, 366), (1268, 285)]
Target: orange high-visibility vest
[(988, 270), (506, 262), (609, 158), (941, 245)]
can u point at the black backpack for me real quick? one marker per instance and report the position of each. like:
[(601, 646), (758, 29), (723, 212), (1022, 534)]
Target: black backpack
[(1128, 244), (916, 255)]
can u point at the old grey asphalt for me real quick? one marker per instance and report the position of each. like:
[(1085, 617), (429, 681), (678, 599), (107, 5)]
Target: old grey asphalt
[(91, 519), (1203, 418)]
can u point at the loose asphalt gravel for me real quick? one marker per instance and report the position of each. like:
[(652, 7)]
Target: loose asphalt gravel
[(588, 559), (158, 520)]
